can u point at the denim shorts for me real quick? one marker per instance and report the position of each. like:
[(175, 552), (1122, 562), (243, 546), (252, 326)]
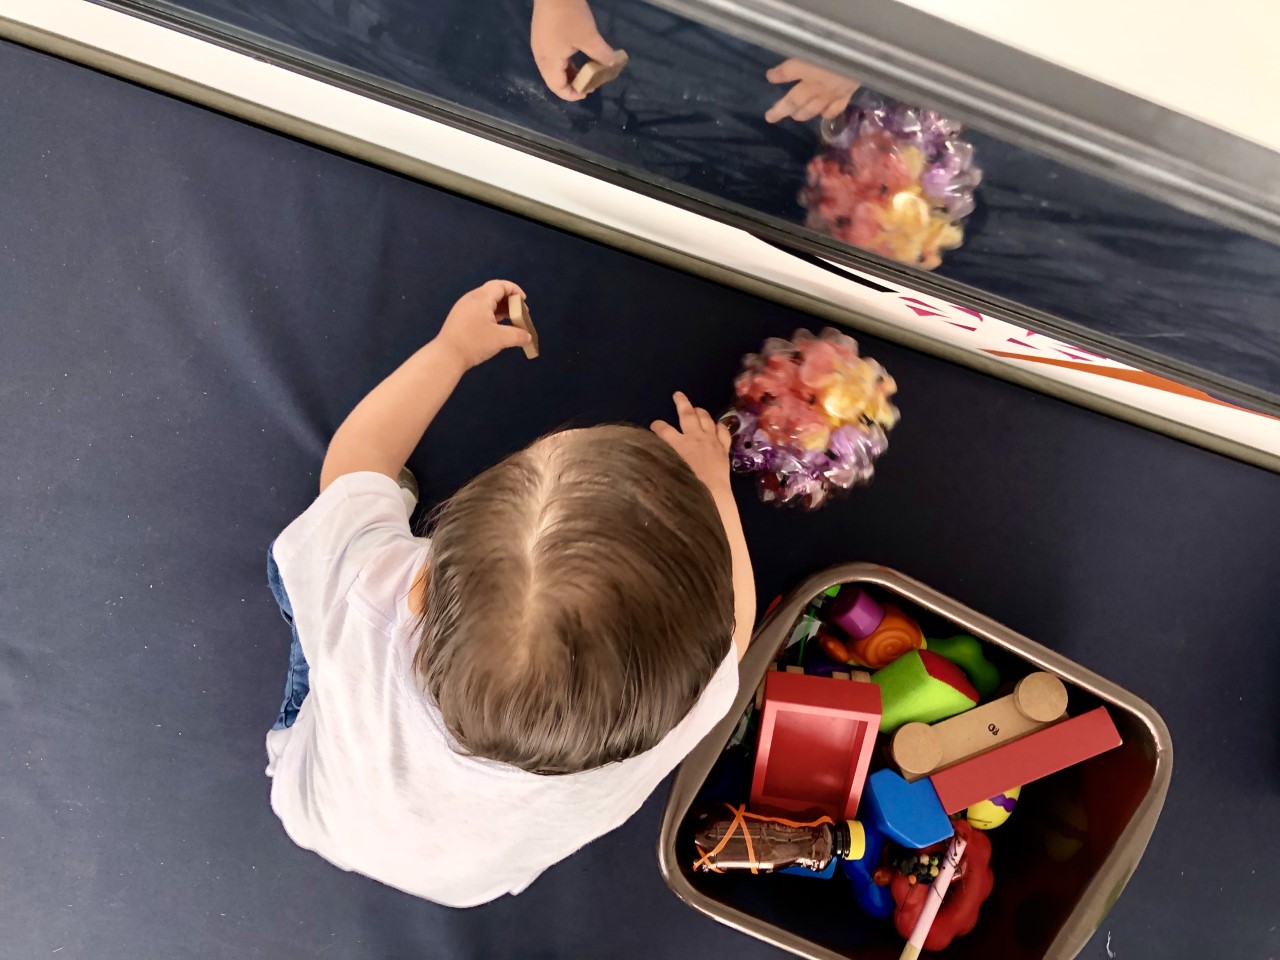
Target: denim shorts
[(297, 682)]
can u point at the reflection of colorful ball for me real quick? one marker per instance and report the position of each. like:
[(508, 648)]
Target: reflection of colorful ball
[(989, 814), (892, 179)]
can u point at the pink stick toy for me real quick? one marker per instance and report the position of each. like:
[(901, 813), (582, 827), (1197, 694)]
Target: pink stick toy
[(915, 943)]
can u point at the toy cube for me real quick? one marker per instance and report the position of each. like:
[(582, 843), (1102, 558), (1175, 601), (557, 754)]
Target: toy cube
[(922, 687), (816, 739)]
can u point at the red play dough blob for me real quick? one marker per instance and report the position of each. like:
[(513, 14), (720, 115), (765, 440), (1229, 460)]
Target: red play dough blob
[(959, 912)]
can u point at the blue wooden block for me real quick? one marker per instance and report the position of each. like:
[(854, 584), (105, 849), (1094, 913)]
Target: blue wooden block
[(874, 900), (909, 814), (825, 874)]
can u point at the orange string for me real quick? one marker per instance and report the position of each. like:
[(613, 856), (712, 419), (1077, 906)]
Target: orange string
[(740, 817)]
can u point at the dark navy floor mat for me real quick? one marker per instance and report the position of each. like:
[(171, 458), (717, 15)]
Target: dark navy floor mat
[(190, 305)]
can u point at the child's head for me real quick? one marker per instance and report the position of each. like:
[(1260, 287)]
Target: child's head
[(579, 599)]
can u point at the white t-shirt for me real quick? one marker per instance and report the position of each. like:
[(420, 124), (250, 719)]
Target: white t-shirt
[(367, 778)]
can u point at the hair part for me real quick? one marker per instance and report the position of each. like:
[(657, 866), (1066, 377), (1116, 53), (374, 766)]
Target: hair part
[(579, 600)]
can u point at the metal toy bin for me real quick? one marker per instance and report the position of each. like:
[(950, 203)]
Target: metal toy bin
[(1060, 862)]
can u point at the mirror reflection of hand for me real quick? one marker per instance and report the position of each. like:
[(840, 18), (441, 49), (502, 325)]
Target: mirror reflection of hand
[(816, 92), (560, 29)]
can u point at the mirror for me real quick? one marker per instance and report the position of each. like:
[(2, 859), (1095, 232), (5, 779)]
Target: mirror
[(812, 159)]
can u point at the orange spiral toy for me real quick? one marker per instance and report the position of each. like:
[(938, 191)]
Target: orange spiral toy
[(896, 635)]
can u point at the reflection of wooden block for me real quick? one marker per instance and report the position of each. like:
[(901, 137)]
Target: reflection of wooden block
[(518, 311), (918, 749), (816, 740), (593, 75), (1036, 755)]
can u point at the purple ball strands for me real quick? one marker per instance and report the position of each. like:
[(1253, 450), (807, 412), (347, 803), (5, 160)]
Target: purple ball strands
[(778, 421), (947, 180)]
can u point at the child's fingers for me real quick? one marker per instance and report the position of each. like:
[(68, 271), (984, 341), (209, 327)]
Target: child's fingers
[(684, 410), (665, 431), (555, 74), (495, 292), (704, 420), (510, 336), (593, 45), (835, 107), (724, 436), (795, 98), (778, 111), (785, 72), (810, 100)]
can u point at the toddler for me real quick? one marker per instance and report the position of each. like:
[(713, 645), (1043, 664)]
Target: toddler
[(463, 712)]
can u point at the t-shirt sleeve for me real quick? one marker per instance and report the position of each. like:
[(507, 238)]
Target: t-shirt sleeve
[(321, 554)]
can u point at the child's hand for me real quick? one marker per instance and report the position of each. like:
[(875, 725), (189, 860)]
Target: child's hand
[(560, 29), (703, 443), (819, 91), (474, 332)]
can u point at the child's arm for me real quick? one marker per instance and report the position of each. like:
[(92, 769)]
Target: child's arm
[(385, 427), (704, 445)]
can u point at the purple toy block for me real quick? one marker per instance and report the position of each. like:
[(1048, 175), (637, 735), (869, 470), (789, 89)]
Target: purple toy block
[(856, 613)]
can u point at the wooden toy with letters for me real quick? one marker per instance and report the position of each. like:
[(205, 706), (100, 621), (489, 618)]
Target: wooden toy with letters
[(918, 749)]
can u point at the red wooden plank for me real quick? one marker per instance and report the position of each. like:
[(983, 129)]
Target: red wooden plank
[(1026, 759)]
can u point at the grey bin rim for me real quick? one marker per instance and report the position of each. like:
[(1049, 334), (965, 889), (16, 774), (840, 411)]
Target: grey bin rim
[(1107, 883)]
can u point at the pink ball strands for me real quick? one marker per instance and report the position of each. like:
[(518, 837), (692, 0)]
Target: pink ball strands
[(894, 180), (811, 417)]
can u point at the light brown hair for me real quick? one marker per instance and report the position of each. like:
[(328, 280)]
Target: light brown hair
[(579, 599)]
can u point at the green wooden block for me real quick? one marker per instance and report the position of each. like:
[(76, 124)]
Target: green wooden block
[(922, 687), (969, 655)]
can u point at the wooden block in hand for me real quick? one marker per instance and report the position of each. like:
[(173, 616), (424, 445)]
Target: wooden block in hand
[(518, 311), (593, 75), (918, 748)]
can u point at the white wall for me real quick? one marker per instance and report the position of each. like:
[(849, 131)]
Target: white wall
[(1217, 62)]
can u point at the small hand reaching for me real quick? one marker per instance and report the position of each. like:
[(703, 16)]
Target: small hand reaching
[(561, 29), (474, 332), (704, 446), (701, 442), (816, 91)]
